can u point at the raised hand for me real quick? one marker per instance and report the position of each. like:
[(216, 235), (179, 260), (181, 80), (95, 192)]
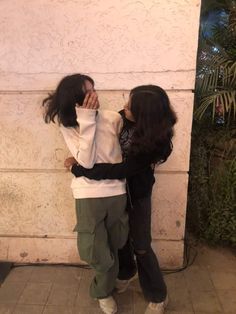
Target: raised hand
[(91, 101)]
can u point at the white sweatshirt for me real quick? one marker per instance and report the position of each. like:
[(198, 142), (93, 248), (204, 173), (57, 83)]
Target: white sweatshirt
[(95, 140)]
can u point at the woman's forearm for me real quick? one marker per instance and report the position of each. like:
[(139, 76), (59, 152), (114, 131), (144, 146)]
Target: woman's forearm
[(101, 171), (110, 171)]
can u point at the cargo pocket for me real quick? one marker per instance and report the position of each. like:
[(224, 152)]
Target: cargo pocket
[(85, 241), (93, 246)]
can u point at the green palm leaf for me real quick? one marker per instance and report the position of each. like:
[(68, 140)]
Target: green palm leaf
[(216, 70), (227, 99)]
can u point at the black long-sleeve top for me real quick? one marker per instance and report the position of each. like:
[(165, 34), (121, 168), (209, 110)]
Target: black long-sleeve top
[(137, 169)]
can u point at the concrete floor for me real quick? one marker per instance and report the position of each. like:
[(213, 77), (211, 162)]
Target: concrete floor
[(208, 286)]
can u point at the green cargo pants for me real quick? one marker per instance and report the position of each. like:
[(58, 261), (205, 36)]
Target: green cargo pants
[(102, 226)]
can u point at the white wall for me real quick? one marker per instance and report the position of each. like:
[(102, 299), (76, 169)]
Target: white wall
[(121, 44)]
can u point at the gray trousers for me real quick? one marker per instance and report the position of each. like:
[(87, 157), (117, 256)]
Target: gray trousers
[(102, 226)]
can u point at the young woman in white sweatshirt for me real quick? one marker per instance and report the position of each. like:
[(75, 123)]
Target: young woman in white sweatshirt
[(92, 137)]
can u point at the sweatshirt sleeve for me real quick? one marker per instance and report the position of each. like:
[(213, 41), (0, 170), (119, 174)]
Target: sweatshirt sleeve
[(86, 119), (81, 140), (112, 171)]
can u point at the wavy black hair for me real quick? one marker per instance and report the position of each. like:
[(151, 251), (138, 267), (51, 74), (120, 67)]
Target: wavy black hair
[(61, 103), (154, 121)]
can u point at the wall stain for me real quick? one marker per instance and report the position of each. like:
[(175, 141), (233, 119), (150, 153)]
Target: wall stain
[(178, 223), (23, 254)]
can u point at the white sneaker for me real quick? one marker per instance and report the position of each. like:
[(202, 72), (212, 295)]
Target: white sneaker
[(157, 308), (122, 285), (108, 305)]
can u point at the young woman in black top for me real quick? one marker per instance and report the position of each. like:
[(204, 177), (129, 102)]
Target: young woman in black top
[(146, 141)]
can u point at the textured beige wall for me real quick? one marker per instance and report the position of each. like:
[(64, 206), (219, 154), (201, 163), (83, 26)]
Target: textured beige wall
[(121, 44)]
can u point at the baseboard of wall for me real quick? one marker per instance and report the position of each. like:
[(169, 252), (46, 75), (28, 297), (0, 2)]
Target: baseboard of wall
[(64, 251)]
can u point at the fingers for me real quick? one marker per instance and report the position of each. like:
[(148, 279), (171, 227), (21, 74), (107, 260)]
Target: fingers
[(96, 105), (91, 101), (86, 100), (70, 161)]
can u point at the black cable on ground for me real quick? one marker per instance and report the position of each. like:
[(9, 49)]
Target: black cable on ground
[(188, 260)]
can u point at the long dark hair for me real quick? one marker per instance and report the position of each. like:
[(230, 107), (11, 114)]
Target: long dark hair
[(154, 121), (61, 104)]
